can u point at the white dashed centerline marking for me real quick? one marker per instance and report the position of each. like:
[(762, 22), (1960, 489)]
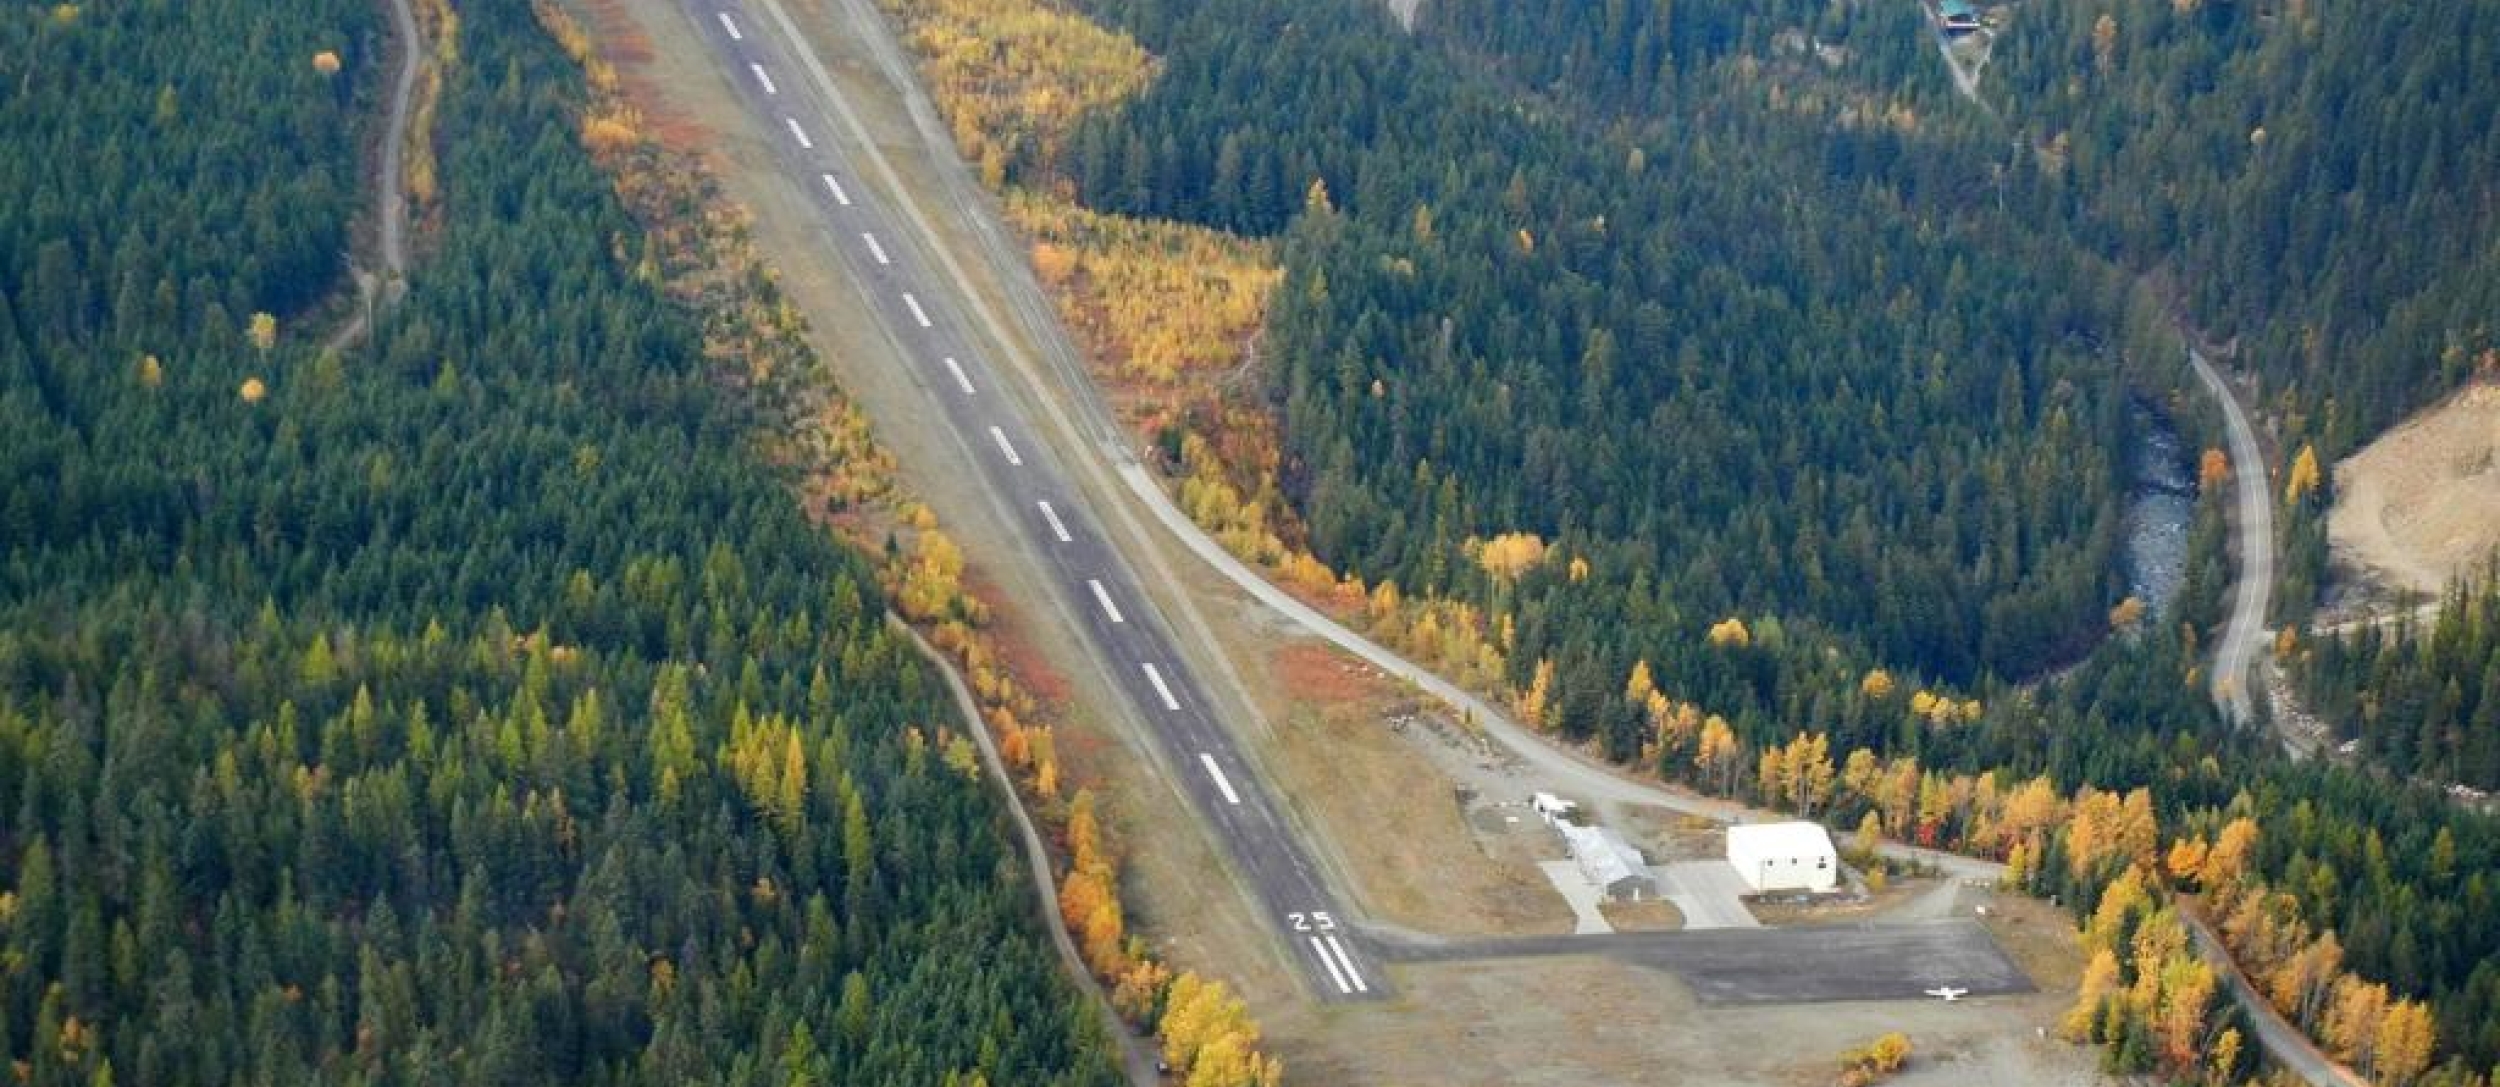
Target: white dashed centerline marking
[(875, 250), (1222, 784), (1170, 703), (965, 383), (731, 27), (764, 78), (1103, 596), (1057, 528), (799, 134), (1334, 974), (917, 313), (1351, 973), (1005, 449), (839, 197)]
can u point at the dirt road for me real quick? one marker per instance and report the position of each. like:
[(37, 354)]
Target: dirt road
[(390, 204)]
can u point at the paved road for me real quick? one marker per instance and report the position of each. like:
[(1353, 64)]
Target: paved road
[(824, 143), (2245, 630), (1795, 965), (391, 195)]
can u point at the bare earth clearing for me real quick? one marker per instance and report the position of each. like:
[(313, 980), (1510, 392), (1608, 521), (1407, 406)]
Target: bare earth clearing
[(1411, 812), (2421, 505)]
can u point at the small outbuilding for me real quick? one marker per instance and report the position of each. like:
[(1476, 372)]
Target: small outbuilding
[(1555, 810), (1773, 857), (1609, 863)]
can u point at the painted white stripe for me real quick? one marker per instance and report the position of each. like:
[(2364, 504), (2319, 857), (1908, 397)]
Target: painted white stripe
[(1170, 703), (1350, 972), (1103, 596), (1008, 450), (839, 197), (875, 250), (799, 134), (1057, 528), (1334, 974), (917, 313), (731, 27), (957, 369), (763, 77), (1222, 783)]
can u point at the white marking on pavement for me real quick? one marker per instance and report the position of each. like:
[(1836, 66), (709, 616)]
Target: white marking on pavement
[(874, 250), (1103, 597), (1056, 527), (731, 27), (839, 197), (1169, 702), (1004, 448), (1222, 783), (1334, 974), (1350, 972), (764, 78), (799, 134), (917, 313), (957, 369)]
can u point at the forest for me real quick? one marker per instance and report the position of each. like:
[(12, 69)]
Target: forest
[(2421, 698), (1708, 377), (473, 706)]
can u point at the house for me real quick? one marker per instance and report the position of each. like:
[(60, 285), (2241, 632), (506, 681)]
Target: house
[(1773, 857), (1609, 863), (1959, 17), (1555, 810)]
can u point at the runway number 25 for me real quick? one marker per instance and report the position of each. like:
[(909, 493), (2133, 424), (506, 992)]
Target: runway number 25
[(1315, 921)]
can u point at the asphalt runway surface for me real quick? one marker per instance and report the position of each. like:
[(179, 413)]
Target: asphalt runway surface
[(1794, 965), (826, 149)]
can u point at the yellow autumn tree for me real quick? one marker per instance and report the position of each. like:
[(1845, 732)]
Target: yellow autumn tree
[(262, 331), (2303, 478), (151, 372), (1730, 631), (1640, 686), (1511, 554), (326, 62), (1877, 685), (1718, 751), (253, 390)]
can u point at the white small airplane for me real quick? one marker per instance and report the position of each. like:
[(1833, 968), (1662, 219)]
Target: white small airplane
[(1948, 993)]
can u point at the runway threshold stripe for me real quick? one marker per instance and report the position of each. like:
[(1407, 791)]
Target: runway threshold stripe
[(917, 313), (1222, 784), (1155, 677), (1350, 971), (1103, 596), (731, 27), (839, 197), (1005, 449), (799, 134), (1334, 974), (1057, 528)]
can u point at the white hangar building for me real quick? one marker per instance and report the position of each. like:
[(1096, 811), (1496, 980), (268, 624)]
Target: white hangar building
[(1773, 857)]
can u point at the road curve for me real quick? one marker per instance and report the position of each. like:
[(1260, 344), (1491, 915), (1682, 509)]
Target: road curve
[(1135, 1057), (890, 253), (2245, 630), (390, 205), (2282, 1041)]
